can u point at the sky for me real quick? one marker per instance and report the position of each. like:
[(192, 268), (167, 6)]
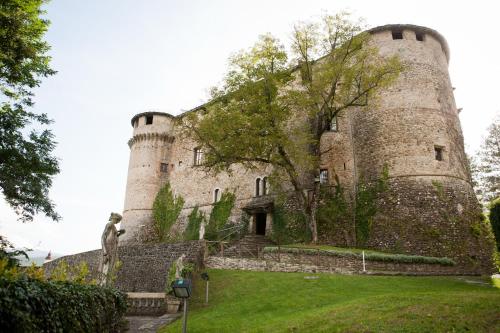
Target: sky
[(116, 58)]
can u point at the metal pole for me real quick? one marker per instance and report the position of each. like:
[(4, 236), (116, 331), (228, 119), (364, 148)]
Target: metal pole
[(364, 265), (206, 294), (184, 324)]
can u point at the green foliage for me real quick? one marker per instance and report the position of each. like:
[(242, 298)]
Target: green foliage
[(219, 216), (289, 225), (195, 219), (369, 255), (332, 210), (485, 166), (494, 217), (26, 163), (366, 205), (66, 302), (166, 210), (252, 115), (170, 278), (32, 305), (10, 253)]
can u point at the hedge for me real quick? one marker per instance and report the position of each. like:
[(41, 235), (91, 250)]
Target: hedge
[(32, 305), (387, 257)]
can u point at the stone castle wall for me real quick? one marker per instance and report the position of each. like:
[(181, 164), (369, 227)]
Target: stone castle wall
[(144, 267), (402, 128)]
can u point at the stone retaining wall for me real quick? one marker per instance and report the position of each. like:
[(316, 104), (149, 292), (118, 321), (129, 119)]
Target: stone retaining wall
[(144, 267), (298, 262)]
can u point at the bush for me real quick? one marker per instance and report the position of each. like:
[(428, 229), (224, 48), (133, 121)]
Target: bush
[(495, 220), (387, 257), (32, 305), (195, 219), (219, 216), (166, 210)]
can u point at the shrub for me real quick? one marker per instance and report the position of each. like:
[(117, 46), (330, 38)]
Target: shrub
[(495, 220), (166, 210), (195, 219), (387, 257), (220, 215), (33, 305)]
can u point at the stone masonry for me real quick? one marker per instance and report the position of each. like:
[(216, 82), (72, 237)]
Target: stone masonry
[(413, 128)]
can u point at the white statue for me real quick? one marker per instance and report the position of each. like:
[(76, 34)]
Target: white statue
[(109, 243), (179, 266), (202, 230)]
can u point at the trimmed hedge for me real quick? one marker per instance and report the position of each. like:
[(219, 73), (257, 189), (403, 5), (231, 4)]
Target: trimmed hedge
[(371, 256), (31, 305)]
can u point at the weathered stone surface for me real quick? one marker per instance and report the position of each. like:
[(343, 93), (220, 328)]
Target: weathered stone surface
[(400, 129), (144, 267)]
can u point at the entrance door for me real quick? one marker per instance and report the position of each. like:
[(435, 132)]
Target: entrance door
[(260, 223)]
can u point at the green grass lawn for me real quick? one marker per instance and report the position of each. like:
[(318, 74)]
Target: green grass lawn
[(243, 301)]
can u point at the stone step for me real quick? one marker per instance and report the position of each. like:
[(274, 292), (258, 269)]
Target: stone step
[(248, 246), (151, 304)]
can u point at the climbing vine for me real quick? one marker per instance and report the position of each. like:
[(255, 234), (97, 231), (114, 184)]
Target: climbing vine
[(195, 219), (166, 210), (219, 216), (366, 205)]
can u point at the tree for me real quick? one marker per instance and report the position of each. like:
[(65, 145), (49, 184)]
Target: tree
[(267, 114), (485, 166), (494, 217), (26, 163), (166, 210)]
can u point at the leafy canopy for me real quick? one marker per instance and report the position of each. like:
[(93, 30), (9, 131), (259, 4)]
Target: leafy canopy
[(26, 163), (271, 113)]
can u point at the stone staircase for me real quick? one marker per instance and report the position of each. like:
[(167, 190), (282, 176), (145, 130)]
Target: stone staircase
[(249, 246)]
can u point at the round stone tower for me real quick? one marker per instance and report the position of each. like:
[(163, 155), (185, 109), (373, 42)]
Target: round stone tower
[(148, 169), (414, 129)]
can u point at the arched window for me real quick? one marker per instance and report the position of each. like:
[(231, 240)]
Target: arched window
[(257, 187), (216, 195), (198, 156), (265, 186)]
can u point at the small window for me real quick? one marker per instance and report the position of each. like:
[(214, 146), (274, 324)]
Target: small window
[(257, 187), (397, 35), (334, 125), (323, 176), (149, 120), (438, 153), (198, 156), (420, 36), (164, 167), (216, 195), (265, 186)]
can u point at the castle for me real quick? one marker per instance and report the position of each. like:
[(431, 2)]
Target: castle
[(429, 207)]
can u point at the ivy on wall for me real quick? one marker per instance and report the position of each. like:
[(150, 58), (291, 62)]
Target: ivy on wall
[(219, 216), (289, 225), (166, 210), (366, 205), (195, 219)]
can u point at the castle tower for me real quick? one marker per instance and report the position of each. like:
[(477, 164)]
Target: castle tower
[(430, 207), (148, 169)]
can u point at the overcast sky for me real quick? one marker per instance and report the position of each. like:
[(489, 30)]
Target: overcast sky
[(118, 58)]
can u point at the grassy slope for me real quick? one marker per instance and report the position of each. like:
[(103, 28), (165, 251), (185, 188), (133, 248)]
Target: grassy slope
[(286, 302)]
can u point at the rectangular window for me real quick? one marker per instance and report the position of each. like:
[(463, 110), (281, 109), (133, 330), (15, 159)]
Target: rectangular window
[(198, 156), (397, 35), (420, 36), (149, 120), (438, 153), (323, 176), (164, 167), (334, 125)]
